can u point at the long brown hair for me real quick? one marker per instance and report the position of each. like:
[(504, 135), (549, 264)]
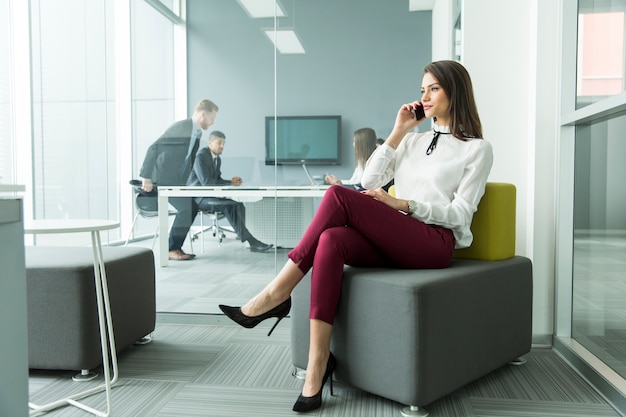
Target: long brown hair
[(456, 82), (364, 145)]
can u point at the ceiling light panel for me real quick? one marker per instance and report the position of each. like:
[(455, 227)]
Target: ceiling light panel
[(262, 8), (420, 5), (286, 41)]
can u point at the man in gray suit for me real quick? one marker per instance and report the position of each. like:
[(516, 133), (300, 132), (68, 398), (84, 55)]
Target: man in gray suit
[(169, 161), (207, 171)]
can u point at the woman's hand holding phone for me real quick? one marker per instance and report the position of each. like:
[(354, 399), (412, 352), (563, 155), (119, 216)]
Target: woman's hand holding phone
[(418, 111), (406, 119)]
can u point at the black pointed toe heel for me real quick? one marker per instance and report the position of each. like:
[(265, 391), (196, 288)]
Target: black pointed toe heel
[(304, 404), (235, 314)]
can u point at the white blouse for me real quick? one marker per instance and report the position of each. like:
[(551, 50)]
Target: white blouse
[(356, 176), (447, 184)]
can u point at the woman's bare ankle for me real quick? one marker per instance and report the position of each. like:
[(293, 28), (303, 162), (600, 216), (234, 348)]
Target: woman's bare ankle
[(251, 307), (258, 305), (314, 377)]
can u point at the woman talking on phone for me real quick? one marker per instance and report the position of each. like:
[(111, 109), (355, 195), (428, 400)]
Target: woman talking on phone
[(440, 177)]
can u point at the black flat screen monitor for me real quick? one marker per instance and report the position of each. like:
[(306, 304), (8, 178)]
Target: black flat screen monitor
[(311, 140)]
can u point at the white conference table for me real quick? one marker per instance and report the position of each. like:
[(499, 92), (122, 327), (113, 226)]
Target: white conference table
[(239, 193), (107, 339)]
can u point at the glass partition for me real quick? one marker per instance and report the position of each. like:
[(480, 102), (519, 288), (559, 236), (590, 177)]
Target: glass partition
[(341, 67), (108, 80), (600, 241)]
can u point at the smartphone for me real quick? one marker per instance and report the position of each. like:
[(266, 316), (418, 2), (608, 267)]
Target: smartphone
[(418, 113)]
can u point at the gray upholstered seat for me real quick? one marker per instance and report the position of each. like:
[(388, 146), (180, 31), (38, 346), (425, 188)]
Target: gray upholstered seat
[(63, 330), (414, 336)]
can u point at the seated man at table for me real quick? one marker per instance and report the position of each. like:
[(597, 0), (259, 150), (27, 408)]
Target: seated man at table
[(206, 171)]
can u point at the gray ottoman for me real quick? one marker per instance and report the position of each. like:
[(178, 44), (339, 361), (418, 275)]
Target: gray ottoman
[(414, 336), (63, 330)]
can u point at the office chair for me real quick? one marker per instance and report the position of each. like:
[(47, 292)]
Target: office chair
[(218, 231), (147, 207)]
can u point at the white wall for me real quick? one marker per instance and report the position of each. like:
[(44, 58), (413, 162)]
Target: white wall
[(541, 240), (511, 51), (442, 30)]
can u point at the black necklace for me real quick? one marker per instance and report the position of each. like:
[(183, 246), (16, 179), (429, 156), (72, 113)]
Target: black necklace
[(433, 143)]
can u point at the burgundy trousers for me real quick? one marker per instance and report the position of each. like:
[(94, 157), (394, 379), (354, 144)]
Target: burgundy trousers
[(350, 228)]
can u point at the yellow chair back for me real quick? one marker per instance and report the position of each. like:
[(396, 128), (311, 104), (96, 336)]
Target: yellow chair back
[(493, 225)]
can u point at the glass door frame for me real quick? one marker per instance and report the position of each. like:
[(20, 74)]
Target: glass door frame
[(612, 385)]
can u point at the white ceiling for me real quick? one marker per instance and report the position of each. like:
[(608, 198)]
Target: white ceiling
[(416, 5)]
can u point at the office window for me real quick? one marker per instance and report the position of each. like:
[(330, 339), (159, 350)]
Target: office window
[(152, 87), (171, 5), (74, 145), (600, 67), (83, 154), (6, 146)]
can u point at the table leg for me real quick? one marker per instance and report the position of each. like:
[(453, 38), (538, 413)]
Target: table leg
[(163, 229), (107, 341)]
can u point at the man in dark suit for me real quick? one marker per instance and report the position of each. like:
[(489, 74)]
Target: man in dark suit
[(207, 171), (169, 161)]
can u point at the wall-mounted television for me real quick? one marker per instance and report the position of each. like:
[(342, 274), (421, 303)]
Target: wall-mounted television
[(310, 140)]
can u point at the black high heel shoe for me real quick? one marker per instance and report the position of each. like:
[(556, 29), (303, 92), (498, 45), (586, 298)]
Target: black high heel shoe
[(303, 403), (235, 314)]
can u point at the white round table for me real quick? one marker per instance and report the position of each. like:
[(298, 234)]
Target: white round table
[(107, 339), (68, 226)]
